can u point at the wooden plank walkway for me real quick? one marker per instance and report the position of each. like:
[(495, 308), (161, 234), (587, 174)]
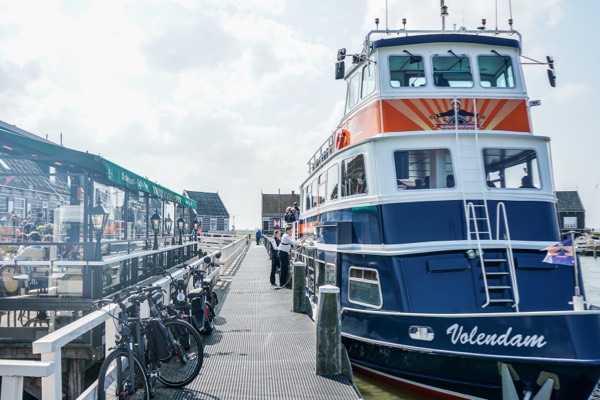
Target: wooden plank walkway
[(260, 349)]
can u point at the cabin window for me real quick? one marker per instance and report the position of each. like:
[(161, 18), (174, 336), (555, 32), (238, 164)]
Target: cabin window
[(364, 287), (496, 71), (407, 71), (511, 168), (314, 193), (368, 80), (452, 71), (353, 91), (333, 182), (354, 179), (308, 197), (423, 169), (322, 188)]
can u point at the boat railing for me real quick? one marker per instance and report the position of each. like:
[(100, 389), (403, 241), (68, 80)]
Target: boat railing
[(406, 32), (322, 154), (501, 212)]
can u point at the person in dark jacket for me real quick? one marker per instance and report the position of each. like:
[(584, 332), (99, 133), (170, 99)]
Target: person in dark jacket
[(275, 241), (258, 237)]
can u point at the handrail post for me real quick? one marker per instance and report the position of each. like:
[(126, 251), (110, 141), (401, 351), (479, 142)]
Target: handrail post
[(299, 287), (52, 384)]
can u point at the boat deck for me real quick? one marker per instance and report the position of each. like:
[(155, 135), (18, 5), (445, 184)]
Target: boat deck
[(260, 349)]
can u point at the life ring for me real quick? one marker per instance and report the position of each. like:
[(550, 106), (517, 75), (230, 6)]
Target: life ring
[(342, 140)]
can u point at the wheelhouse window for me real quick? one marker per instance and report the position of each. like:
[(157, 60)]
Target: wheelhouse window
[(308, 196), (353, 91), (496, 71), (511, 168), (423, 169), (364, 287), (407, 71), (452, 71), (368, 80), (322, 188), (354, 179), (333, 178)]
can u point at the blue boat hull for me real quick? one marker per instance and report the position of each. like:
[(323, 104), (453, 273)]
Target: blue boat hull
[(465, 352)]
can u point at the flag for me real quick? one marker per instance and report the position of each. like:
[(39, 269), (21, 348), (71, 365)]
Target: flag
[(561, 253), (7, 181)]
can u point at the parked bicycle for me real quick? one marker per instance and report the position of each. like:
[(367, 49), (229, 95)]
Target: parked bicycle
[(170, 352), (203, 299)]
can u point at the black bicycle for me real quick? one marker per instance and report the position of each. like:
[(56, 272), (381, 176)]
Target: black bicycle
[(203, 299), (162, 349)]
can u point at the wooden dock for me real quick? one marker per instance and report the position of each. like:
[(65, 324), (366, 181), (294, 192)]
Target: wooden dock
[(260, 349)]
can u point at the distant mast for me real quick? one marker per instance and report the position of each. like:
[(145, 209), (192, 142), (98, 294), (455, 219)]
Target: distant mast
[(443, 14)]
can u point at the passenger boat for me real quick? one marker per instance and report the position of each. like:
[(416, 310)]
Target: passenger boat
[(431, 206)]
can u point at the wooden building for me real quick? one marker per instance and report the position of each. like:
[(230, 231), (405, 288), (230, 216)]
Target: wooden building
[(210, 209), (273, 209), (571, 214)]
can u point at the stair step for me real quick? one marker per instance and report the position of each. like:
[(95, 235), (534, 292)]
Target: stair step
[(498, 287), (501, 300), (494, 259), (496, 273)]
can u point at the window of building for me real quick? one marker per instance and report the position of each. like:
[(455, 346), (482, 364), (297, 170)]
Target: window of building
[(364, 287), (213, 223), (333, 179), (496, 71), (407, 71), (569, 222), (353, 91), (368, 80), (452, 71), (511, 168), (423, 169), (354, 179), (19, 207)]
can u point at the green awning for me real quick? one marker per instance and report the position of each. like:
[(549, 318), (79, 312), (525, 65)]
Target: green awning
[(28, 146), (123, 177)]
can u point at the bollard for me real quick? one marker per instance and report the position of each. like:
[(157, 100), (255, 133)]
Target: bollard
[(299, 288), (329, 339)]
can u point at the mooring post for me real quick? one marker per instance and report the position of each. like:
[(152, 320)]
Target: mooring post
[(329, 340), (299, 287)]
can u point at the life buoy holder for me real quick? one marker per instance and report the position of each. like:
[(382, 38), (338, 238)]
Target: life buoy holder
[(342, 140)]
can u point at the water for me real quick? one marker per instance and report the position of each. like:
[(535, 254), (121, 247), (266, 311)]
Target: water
[(375, 390)]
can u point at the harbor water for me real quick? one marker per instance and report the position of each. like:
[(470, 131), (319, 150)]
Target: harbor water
[(375, 390)]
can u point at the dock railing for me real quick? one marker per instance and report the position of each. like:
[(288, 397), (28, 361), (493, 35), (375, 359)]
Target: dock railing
[(49, 347)]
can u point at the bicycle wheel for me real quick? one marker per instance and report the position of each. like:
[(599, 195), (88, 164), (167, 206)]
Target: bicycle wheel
[(114, 379), (189, 355)]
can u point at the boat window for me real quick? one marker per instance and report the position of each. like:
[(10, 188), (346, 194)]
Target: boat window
[(511, 168), (333, 182), (452, 71), (307, 197), (368, 80), (364, 287), (314, 194), (322, 188), (407, 71), (423, 169), (353, 91), (354, 180), (496, 71)]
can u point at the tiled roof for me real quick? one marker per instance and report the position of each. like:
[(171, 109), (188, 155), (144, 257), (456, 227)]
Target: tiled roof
[(207, 203), (569, 201), (277, 203)]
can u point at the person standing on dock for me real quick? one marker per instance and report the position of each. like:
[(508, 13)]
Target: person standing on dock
[(275, 241), (258, 236), (285, 248)]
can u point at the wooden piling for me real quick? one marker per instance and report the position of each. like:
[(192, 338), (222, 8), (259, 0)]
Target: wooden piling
[(299, 288), (329, 340)]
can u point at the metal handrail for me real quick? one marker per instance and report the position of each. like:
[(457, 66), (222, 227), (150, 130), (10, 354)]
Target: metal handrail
[(501, 210)]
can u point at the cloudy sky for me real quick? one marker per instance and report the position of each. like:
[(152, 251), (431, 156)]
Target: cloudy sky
[(234, 95)]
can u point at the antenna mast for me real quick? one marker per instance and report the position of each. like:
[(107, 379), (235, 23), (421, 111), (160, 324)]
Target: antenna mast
[(386, 15), (443, 14)]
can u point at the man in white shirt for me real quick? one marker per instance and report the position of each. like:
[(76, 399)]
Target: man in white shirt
[(285, 248)]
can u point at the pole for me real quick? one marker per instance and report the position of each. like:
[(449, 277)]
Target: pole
[(578, 300)]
